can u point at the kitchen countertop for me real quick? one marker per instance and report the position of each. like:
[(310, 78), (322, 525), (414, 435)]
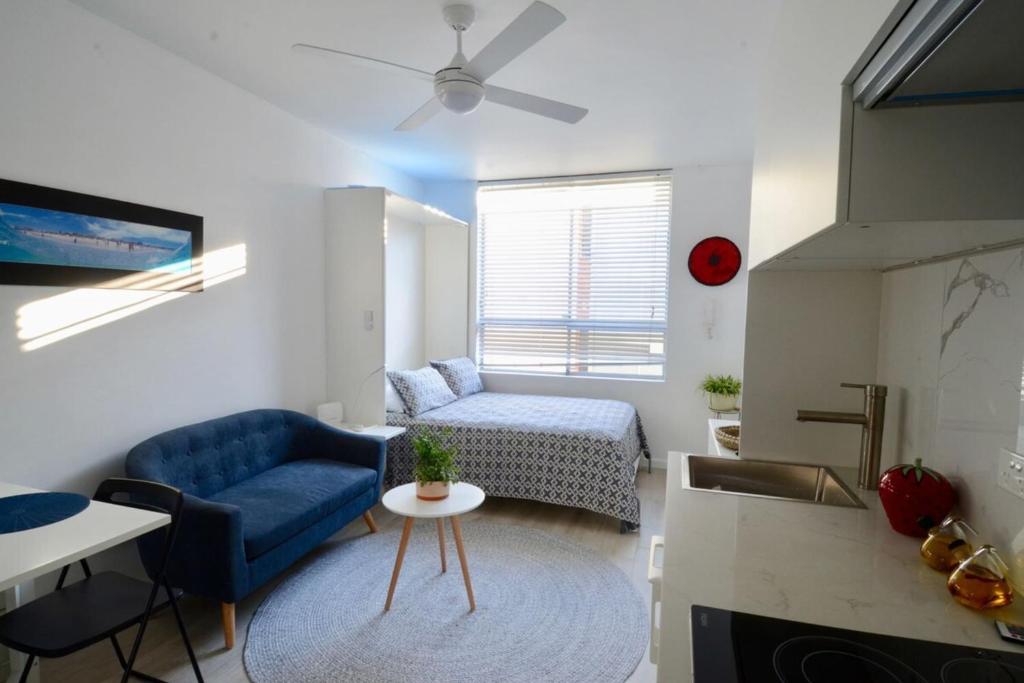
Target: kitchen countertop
[(840, 567)]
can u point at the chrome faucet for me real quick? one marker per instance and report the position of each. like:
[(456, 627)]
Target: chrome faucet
[(872, 420)]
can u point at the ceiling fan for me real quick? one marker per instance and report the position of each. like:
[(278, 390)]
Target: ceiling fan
[(461, 86)]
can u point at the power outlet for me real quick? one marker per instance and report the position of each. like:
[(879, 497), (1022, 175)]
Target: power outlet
[(1011, 472)]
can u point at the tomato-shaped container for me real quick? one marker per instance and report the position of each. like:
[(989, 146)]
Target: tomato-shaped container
[(915, 498)]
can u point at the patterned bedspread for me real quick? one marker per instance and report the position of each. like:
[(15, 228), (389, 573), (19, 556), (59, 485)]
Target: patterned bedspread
[(578, 452)]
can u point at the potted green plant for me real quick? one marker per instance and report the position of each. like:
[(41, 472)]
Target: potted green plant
[(722, 391), (435, 469)]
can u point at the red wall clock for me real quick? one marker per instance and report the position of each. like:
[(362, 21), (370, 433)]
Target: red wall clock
[(714, 261)]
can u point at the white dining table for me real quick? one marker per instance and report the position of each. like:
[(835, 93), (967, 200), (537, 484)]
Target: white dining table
[(26, 555)]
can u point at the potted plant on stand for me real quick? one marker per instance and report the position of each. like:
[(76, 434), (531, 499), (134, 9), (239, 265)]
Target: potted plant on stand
[(435, 469), (722, 391)]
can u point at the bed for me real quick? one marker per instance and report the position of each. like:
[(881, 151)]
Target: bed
[(579, 452)]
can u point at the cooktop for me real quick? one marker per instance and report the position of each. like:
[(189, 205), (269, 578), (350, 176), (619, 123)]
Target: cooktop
[(733, 647)]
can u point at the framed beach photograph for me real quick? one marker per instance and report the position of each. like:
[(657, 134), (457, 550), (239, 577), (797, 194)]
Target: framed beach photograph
[(58, 238)]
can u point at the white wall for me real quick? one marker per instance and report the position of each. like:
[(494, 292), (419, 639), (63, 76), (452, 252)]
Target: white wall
[(404, 296), (455, 197), (956, 405), (91, 108), (806, 333), (706, 200), (447, 291)]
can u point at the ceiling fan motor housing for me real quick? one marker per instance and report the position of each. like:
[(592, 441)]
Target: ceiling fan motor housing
[(461, 97), (457, 92)]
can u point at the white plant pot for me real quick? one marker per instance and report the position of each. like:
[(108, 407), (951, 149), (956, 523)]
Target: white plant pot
[(723, 403), (434, 490)]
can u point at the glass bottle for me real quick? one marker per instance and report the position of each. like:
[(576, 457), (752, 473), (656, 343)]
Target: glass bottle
[(982, 580), (948, 544)]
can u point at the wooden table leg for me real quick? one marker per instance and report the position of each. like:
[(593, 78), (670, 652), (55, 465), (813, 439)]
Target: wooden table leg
[(440, 540), (402, 545), (457, 532)]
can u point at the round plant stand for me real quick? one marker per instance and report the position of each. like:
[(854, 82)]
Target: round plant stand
[(402, 500)]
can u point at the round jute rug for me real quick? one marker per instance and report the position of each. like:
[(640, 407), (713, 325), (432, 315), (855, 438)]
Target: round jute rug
[(547, 610)]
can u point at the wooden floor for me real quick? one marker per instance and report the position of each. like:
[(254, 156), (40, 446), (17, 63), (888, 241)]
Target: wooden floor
[(163, 656)]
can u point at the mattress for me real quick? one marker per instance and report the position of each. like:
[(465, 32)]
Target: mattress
[(577, 452)]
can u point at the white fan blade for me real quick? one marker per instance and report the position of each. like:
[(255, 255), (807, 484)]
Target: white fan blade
[(535, 105), (421, 115), (363, 60), (534, 23)]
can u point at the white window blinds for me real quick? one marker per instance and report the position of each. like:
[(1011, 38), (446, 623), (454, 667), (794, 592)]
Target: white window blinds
[(573, 275)]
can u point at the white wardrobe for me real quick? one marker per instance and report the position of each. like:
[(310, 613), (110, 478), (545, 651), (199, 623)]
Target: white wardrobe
[(397, 293)]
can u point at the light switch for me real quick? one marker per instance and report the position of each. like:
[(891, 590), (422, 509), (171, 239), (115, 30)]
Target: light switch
[(368, 320), (1009, 475)]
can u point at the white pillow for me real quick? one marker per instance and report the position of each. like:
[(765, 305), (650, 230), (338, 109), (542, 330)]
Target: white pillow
[(460, 374), (392, 401), (421, 390)]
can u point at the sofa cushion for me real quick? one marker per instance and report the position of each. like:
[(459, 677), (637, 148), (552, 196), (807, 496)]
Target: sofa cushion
[(207, 457), (283, 501)]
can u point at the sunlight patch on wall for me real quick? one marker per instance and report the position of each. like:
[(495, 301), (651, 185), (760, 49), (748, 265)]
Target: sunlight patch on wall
[(46, 321)]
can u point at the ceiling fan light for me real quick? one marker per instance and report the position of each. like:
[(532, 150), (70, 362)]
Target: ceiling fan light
[(460, 96)]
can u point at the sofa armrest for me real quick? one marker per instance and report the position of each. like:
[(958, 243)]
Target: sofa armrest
[(366, 451), (208, 557)]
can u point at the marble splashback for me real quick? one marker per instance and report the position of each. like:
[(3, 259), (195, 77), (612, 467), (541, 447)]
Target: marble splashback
[(951, 349)]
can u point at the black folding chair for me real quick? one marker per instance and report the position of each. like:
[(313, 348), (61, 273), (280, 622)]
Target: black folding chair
[(102, 605)]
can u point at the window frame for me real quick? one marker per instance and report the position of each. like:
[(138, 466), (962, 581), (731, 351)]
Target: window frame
[(475, 302)]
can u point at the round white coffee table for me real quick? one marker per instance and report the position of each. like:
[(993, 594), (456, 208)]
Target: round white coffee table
[(402, 500)]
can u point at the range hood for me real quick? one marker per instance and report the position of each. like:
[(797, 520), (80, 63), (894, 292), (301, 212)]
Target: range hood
[(920, 184), (948, 51)]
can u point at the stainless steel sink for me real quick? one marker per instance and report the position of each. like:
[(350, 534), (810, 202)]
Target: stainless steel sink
[(765, 479)]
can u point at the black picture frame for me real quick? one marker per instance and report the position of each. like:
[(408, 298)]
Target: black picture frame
[(48, 198)]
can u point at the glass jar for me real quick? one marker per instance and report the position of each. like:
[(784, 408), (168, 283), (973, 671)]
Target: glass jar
[(948, 544), (982, 580)]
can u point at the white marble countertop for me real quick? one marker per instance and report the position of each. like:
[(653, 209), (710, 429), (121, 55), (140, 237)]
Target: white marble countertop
[(840, 567)]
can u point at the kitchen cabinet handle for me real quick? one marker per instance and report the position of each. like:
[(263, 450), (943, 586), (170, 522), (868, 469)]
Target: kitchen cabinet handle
[(654, 574), (653, 571)]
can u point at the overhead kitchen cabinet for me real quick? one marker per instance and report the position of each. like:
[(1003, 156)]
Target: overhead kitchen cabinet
[(915, 154)]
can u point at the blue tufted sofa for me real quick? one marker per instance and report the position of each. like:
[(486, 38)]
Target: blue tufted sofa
[(262, 488)]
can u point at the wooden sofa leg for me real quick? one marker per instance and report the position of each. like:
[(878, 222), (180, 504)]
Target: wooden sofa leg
[(368, 518), (227, 617)]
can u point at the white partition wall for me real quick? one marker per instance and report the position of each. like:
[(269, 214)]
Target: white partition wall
[(355, 302), (446, 290), (397, 293), (404, 296)]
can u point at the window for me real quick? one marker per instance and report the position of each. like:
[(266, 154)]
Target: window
[(573, 275)]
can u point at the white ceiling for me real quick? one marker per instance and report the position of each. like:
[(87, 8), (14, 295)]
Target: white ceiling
[(667, 82)]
